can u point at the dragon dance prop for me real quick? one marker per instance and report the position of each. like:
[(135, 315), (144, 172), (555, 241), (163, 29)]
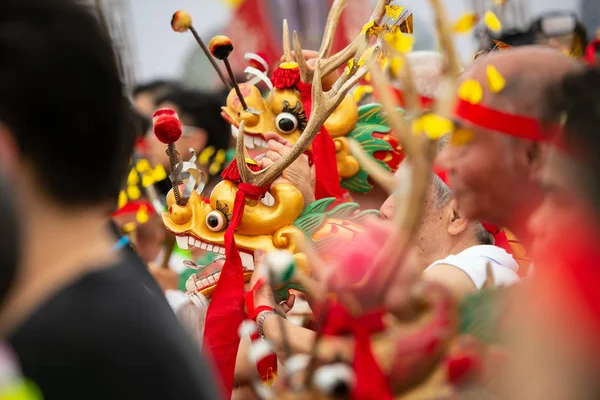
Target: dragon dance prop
[(247, 212)]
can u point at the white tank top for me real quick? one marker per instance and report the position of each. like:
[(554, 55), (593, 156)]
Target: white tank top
[(473, 261)]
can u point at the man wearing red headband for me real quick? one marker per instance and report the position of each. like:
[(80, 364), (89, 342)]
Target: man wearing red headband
[(494, 151), (452, 249)]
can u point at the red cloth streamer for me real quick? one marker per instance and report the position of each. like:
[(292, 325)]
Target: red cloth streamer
[(510, 124), (227, 303), (371, 382), (327, 178), (232, 173)]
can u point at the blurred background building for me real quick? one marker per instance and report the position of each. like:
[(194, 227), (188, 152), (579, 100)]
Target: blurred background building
[(152, 50)]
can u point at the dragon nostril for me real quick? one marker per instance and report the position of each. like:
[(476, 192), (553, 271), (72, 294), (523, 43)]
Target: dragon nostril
[(180, 214)]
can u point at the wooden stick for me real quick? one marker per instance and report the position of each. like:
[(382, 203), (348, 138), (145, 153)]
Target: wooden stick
[(210, 57)]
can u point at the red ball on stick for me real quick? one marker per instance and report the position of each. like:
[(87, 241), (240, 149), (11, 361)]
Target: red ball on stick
[(167, 126)]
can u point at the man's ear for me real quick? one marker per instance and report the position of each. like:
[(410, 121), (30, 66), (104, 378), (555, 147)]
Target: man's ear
[(457, 222)]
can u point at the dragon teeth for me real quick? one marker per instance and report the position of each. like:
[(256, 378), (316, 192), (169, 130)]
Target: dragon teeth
[(268, 199), (248, 141), (182, 242), (247, 260)]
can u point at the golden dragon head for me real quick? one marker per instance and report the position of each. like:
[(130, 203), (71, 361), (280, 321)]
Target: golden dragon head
[(285, 108)]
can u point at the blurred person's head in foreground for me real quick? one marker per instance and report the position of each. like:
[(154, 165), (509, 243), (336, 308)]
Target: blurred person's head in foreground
[(570, 175), (494, 151), (50, 111), (145, 94), (557, 332), (204, 130), (10, 243)]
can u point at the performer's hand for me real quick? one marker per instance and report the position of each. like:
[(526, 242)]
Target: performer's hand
[(166, 278), (298, 173), (264, 296), (311, 59)]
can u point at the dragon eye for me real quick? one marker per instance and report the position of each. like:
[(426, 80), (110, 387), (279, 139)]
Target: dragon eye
[(215, 221), (334, 380), (286, 122)]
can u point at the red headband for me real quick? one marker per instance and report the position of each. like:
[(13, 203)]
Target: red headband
[(510, 124)]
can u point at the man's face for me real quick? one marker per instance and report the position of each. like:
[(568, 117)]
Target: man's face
[(144, 104), (484, 170), (432, 238), (563, 209)]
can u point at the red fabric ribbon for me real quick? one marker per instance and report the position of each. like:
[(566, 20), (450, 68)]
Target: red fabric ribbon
[(591, 49), (327, 178), (510, 124), (227, 304), (371, 382)]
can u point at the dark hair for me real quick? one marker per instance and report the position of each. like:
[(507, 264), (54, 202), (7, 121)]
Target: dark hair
[(158, 87), (204, 111), (10, 243), (576, 101), (61, 91)]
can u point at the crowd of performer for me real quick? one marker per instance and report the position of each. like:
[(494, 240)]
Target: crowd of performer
[(374, 223)]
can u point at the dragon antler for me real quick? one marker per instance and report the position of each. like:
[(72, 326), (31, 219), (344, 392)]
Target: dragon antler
[(330, 64), (323, 103)]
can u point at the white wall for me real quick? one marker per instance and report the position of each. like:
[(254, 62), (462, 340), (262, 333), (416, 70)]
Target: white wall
[(159, 52)]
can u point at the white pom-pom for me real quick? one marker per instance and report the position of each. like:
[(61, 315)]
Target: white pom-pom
[(296, 363), (247, 328), (258, 350), (331, 377), (281, 266)]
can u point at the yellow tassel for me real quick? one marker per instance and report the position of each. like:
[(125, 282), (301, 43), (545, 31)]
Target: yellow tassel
[(142, 215), (361, 91), (393, 12), (492, 21), (142, 166), (471, 91), (461, 136), (128, 227), (159, 173), (399, 41), (133, 178), (395, 66), (206, 155), (435, 126), (147, 180), (122, 199), (133, 192), (350, 66), (466, 22), (496, 81)]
